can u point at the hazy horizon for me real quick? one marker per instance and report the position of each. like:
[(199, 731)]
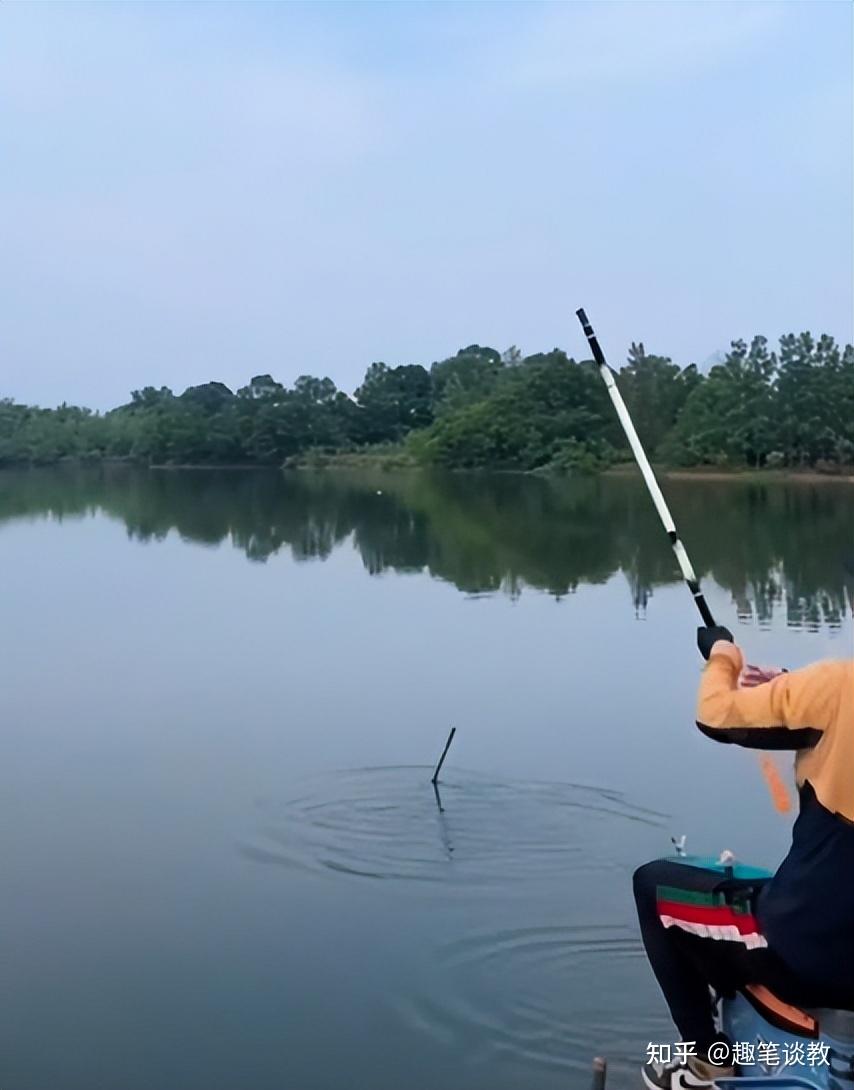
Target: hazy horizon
[(196, 192)]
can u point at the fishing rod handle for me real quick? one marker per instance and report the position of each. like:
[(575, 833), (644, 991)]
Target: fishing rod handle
[(703, 606)]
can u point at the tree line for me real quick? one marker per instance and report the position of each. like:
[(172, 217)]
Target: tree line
[(481, 409)]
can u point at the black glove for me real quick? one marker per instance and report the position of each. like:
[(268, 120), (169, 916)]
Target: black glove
[(708, 636)]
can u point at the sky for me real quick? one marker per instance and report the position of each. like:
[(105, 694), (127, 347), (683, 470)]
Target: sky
[(201, 191)]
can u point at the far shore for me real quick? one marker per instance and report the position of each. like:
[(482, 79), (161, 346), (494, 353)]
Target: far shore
[(335, 463), (710, 473), (388, 463)]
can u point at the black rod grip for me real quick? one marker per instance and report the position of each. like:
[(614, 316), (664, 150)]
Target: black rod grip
[(598, 354), (705, 612)]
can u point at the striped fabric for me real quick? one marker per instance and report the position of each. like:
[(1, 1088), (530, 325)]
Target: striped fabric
[(709, 916), (751, 676)]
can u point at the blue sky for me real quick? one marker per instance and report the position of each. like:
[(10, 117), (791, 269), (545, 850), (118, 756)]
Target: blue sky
[(193, 191)]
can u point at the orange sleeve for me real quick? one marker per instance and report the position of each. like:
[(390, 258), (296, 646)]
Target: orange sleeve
[(790, 712)]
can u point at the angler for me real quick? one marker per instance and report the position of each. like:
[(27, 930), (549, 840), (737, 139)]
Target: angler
[(741, 955), (793, 934)]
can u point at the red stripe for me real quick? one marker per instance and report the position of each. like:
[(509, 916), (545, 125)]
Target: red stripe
[(716, 916)]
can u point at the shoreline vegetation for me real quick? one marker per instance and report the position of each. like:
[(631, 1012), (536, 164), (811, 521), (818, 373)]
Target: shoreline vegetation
[(404, 462), (368, 461), (786, 413)]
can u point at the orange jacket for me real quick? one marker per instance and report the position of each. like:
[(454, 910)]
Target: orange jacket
[(810, 710)]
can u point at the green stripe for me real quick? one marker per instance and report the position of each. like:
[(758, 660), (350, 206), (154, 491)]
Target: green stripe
[(688, 896), (699, 897)]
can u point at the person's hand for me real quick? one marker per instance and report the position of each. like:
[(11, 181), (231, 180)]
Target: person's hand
[(708, 636)]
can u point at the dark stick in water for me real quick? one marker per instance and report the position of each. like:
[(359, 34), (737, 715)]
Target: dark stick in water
[(444, 755)]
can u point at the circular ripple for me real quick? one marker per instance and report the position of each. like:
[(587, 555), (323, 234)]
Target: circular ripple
[(543, 997), (387, 824)]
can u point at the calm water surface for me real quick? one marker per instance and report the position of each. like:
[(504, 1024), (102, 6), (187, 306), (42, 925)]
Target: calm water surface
[(223, 863)]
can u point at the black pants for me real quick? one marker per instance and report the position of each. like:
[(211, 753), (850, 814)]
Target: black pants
[(687, 965)]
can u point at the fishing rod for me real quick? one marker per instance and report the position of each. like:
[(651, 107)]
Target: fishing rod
[(685, 566), (779, 793)]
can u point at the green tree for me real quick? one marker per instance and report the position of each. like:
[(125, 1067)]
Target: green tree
[(529, 418), (655, 392), (261, 386), (729, 419), (394, 401), (815, 400), (463, 379)]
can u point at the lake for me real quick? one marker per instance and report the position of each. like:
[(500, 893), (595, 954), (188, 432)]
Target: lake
[(223, 696)]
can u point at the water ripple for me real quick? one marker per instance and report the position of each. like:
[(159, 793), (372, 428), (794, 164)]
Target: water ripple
[(511, 995), (385, 824)]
